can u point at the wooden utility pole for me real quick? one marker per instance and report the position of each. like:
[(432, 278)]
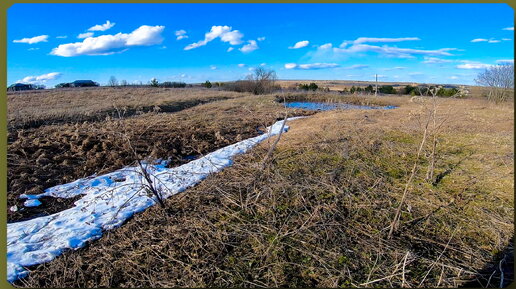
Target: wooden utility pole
[(376, 86)]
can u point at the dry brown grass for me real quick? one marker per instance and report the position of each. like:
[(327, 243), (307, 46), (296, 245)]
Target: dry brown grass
[(320, 212), (49, 155), (35, 108)]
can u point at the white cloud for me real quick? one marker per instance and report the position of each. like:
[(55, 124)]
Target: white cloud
[(505, 61), (260, 38), (357, 66), (325, 46), (32, 40), (300, 44), (251, 46), (383, 40), (506, 39), (41, 78), (85, 35), (33, 48), (213, 67), (391, 51), (454, 77), (311, 66), (241, 65), (109, 44), (230, 49), (102, 27), (434, 60), (263, 64), (472, 65), (62, 37), (394, 68), (225, 33), (181, 34), (509, 28), (490, 40)]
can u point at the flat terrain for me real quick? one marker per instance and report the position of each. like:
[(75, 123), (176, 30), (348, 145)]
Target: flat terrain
[(317, 214)]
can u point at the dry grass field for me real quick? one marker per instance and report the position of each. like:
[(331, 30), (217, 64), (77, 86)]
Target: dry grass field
[(318, 214)]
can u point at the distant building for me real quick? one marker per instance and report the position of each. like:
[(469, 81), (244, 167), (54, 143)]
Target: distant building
[(83, 83), (21, 86)]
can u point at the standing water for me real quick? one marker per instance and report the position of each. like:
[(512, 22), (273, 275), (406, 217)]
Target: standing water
[(331, 106)]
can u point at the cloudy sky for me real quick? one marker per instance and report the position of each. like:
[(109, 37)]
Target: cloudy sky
[(443, 43)]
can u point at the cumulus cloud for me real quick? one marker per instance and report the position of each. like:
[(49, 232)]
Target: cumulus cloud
[(326, 46), (300, 44), (181, 34), (435, 60), (40, 78), (102, 27), (32, 40), (311, 66), (251, 46), (108, 44), (85, 35), (472, 65), (225, 33), (509, 28), (230, 49)]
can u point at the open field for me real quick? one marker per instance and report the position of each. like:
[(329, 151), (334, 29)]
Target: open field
[(34, 108), (339, 85), (318, 214)]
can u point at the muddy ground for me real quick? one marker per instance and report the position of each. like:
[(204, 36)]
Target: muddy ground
[(43, 156)]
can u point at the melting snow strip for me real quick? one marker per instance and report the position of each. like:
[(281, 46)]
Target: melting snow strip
[(108, 201)]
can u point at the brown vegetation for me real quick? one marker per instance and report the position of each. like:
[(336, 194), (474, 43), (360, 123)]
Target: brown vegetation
[(319, 214), (46, 156), (35, 108)]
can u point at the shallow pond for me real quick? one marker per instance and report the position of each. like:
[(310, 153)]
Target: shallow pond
[(331, 106)]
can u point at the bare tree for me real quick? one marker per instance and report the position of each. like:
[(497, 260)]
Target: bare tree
[(262, 81), (112, 81), (500, 81)]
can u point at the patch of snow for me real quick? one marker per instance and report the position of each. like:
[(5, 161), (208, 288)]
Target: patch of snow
[(107, 203), (32, 203), (13, 208)]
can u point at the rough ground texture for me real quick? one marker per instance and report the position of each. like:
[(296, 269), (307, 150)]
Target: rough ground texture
[(49, 155), (320, 211)]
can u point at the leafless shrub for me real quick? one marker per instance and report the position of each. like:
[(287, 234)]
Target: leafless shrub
[(261, 81), (499, 81)]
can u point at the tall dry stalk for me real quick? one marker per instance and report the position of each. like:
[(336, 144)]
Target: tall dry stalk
[(394, 223)]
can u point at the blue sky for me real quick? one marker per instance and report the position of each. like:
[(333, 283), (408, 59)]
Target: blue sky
[(438, 43)]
